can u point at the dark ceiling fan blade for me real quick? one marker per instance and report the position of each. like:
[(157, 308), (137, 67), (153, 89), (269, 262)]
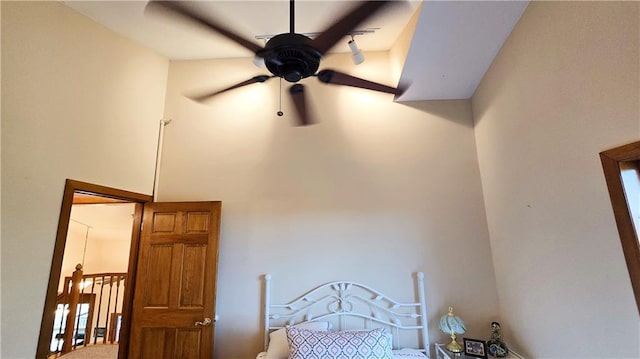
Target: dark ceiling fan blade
[(253, 80), (300, 101), (339, 78), (345, 24), (182, 9)]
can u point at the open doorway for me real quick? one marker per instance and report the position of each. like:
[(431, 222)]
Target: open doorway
[(98, 244), (92, 278)]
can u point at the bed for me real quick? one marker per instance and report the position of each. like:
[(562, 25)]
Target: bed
[(345, 320)]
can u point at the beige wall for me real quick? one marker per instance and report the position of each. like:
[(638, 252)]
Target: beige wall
[(400, 49), (374, 192), (78, 102), (564, 87)]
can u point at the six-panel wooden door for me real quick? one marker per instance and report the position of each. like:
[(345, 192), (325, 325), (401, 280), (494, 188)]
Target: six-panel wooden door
[(174, 300)]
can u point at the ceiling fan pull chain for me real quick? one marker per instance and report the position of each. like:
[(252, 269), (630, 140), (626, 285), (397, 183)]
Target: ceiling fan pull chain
[(280, 113)]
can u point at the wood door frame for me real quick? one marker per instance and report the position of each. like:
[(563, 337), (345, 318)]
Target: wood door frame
[(48, 315)]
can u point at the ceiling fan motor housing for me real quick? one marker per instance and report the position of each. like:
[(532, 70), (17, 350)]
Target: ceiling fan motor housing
[(290, 56)]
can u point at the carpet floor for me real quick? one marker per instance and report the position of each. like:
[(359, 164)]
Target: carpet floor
[(100, 351)]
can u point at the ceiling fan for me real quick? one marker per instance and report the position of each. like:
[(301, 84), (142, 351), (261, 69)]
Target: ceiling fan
[(289, 56)]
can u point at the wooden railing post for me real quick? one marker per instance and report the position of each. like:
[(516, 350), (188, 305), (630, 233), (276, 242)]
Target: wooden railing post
[(72, 300)]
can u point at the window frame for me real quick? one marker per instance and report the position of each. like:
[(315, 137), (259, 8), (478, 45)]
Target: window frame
[(611, 161)]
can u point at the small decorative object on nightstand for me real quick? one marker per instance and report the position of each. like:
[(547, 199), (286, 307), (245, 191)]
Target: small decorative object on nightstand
[(496, 347), (452, 325), (443, 353)]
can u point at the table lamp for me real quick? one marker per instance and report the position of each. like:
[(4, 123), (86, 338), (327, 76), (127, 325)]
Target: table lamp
[(452, 325)]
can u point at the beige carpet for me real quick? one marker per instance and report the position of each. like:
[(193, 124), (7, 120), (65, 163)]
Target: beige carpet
[(99, 351)]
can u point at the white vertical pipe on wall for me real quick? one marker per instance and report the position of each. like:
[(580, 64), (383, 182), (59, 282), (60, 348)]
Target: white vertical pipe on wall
[(267, 306), (156, 176)]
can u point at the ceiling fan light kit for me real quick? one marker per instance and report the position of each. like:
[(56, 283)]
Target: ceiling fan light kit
[(258, 61), (356, 54), (291, 56)]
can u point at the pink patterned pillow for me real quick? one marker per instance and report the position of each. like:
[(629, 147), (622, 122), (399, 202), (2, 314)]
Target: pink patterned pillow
[(278, 344), (359, 344)]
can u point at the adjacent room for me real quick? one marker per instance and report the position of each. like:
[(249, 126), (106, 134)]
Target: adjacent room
[(477, 165)]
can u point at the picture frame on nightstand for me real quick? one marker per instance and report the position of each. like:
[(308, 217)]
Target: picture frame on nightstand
[(474, 348), (443, 353)]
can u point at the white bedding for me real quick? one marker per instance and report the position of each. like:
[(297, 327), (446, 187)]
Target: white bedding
[(408, 353), (397, 354)]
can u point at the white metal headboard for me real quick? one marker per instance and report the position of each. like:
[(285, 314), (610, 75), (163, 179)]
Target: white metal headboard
[(345, 303)]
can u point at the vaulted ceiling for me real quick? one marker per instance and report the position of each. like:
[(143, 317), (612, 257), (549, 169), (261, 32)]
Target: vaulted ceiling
[(453, 44)]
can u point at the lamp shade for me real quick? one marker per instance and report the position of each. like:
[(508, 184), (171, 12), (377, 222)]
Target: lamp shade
[(452, 324)]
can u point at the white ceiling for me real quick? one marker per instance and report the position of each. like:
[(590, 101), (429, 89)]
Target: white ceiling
[(453, 45)]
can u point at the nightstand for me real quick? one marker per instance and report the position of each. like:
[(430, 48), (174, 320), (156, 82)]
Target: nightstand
[(443, 353)]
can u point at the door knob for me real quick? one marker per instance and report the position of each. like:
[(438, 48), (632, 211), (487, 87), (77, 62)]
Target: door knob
[(204, 323)]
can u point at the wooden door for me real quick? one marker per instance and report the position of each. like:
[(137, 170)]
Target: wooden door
[(174, 299)]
